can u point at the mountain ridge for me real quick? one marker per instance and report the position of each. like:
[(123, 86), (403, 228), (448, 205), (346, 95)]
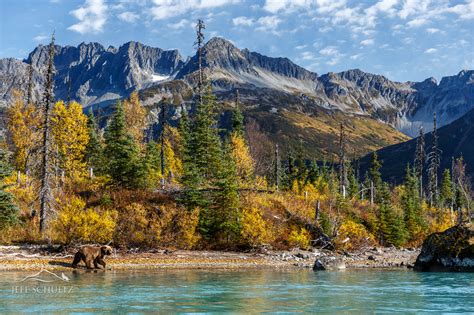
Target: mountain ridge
[(270, 88)]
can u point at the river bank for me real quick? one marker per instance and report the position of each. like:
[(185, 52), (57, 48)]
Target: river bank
[(35, 257)]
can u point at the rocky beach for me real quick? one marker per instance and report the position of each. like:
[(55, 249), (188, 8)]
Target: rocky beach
[(35, 257)]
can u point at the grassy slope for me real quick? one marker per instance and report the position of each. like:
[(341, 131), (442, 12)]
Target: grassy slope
[(319, 134)]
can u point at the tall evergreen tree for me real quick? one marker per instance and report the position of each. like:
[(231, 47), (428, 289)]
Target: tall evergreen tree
[(205, 139), (446, 190), (8, 209), (94, 149), (226, 199), (237, 118), (353, 184), (411, 204), (375, 177), (122, 153), (46, 194), (392, 229)]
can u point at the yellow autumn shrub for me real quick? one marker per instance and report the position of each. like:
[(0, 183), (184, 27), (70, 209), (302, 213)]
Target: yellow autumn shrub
[(300, 238), (188, 235), (77, 224), (353, 235), (138, 226), (254, 228)]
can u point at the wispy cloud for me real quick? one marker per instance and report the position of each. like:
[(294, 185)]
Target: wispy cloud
[(431, 51), (40, 38), (92, 17), (367, 42), (163, 9), (268, 23), (129, 17), (432, 30), (332, 53), (180, 24), (243, 21)]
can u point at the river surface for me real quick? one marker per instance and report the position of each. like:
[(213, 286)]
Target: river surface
[(241, 291)]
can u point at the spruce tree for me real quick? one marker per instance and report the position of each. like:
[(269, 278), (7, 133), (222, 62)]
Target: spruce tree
[(226, 198), (353, 184), (411, 204), (392, 230), (375, 177), (122, 153), (446, 190), (94, 149), (8, 209), (152, 162), (237, 118), (206, 140)]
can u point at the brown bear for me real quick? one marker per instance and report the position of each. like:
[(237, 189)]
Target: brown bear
[(93, 256)]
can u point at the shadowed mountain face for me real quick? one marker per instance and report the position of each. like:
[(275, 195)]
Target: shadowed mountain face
[(455, 140), (274, 91)]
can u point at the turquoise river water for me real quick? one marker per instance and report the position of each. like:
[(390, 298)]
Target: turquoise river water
[(240, 291)]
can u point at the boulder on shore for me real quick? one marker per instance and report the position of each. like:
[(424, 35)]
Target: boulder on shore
[(329, 263), (451, 250)]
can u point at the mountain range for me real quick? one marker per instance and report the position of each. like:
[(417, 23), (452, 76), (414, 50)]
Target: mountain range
[(290, 104)]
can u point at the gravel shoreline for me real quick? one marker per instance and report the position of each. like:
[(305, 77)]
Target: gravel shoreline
[(35, 257)]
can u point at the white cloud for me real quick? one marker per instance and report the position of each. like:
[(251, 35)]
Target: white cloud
[(128, 16), (367, 42), (307, 55), (355, 57), (242, 21), (329, 51), (180, 25), (301, 47), (164, 9), (268, 23), (325, 29), (465, 11), (432, 30), (40, 38), (92, 17), (414, 7), (274, 6), (333, 61), (417, 22), (431, 51)]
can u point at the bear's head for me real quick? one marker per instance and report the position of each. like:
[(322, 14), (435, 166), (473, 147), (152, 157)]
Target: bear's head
[(106, 250)]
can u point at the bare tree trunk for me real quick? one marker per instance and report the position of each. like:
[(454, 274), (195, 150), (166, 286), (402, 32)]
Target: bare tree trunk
[(162, 149), (46, 196)]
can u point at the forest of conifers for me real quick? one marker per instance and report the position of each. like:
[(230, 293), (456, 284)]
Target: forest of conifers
[(195, 186)]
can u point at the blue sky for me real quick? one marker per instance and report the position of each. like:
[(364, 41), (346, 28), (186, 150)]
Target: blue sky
[(405, 40)]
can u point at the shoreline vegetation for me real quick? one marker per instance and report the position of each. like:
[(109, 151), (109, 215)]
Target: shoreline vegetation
[(204, 186), (35, 257)]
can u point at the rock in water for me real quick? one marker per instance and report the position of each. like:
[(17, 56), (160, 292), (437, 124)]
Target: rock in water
[(329, 263), (451, 250)]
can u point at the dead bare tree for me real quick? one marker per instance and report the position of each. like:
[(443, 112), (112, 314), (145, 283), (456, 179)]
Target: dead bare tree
[(46, 195)]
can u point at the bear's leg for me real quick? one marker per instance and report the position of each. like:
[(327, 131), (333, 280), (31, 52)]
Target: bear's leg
[(101, 262), (77, 259), (89, 263)]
